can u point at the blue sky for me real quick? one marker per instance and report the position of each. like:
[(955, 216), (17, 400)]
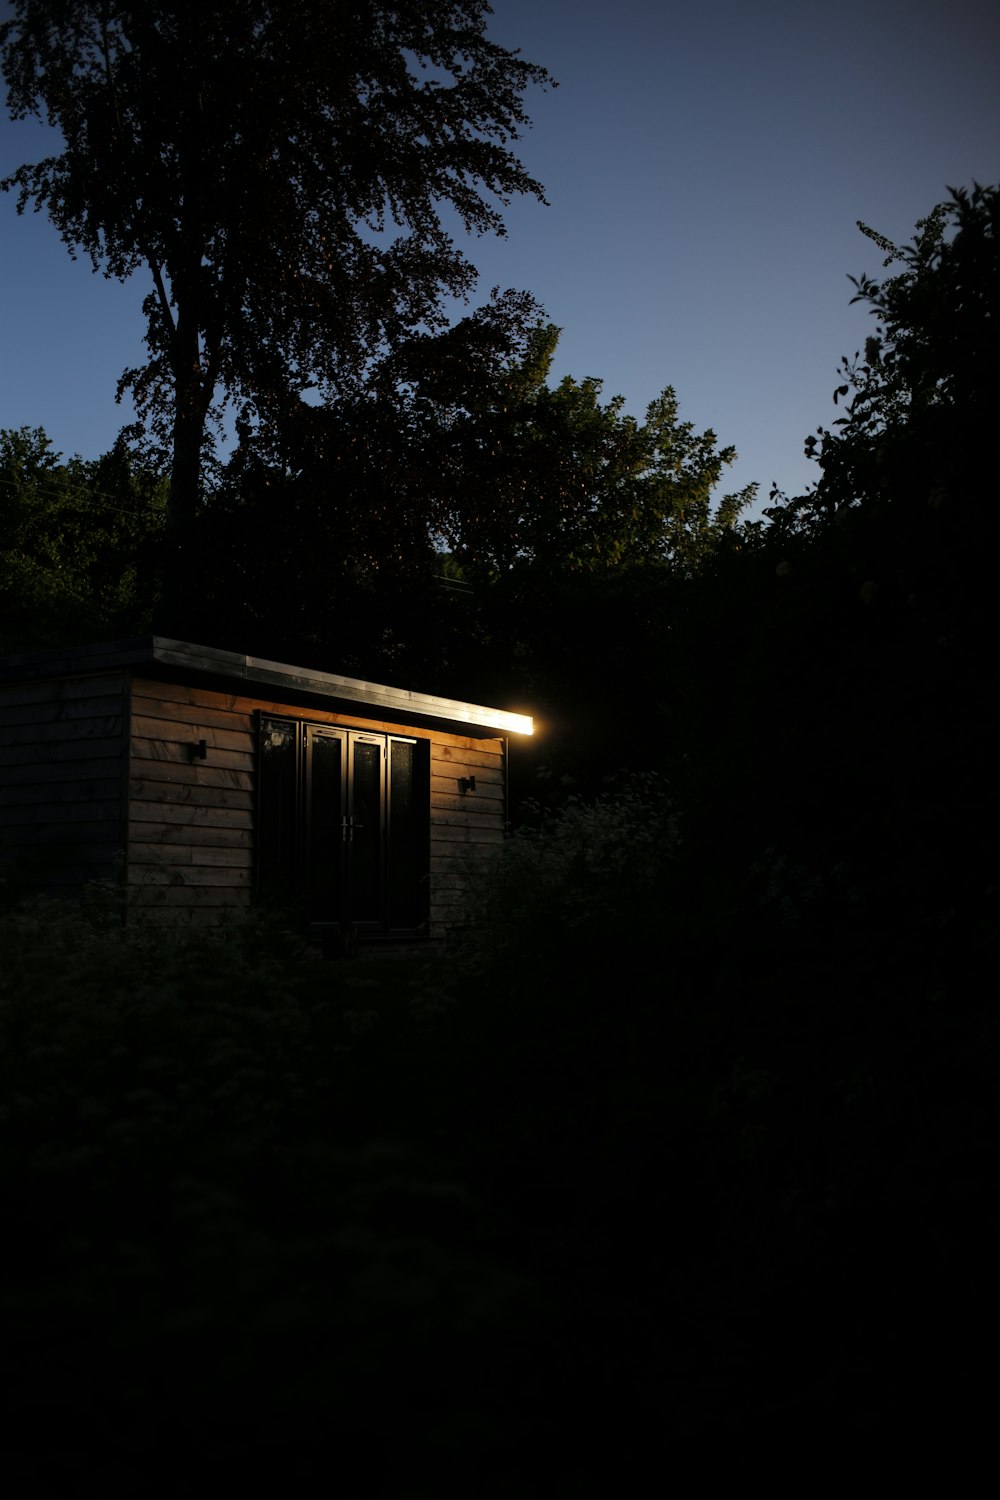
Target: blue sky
[(705, 166)]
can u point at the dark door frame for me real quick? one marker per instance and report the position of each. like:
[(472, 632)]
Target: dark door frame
[(377, 885)]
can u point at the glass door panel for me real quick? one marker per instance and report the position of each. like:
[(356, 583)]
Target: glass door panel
[(407, 837), (365, 838), (326, 814)]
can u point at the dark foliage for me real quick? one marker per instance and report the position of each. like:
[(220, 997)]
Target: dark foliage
[(770, 1110), (462, 524), (239, 1248), (78, 543), (689, 1159), (287, 175)]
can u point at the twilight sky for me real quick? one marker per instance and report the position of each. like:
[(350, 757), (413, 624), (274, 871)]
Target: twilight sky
[(705, 165)]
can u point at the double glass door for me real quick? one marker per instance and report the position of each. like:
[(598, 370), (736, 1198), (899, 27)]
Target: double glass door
[(344, 833), (342, 825)]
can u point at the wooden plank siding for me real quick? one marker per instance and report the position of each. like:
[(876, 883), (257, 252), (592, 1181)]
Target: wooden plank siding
[(191, 821), (466, 829), (62, 770)]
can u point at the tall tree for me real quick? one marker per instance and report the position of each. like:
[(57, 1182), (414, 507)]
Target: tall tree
[(289, 175)]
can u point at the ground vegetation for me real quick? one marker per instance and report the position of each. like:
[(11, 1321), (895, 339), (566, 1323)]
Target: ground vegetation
[(685, 1155)]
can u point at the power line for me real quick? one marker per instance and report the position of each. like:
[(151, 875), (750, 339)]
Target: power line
[(104, 500)]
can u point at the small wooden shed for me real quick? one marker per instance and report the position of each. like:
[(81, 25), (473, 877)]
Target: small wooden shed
[(203, 780)]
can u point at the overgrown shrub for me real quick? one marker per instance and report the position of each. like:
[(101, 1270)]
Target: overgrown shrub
[(573, 883), (223, 1239)]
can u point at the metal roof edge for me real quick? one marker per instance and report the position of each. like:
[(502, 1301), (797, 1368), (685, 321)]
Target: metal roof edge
[(256, 669), (159, 650)]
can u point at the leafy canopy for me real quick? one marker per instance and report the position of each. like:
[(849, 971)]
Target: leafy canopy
[(920, 397), (527, 472), (76, 539), (288, 175)]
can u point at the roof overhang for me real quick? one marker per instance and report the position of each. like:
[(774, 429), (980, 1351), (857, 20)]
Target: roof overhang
[(255, 671)]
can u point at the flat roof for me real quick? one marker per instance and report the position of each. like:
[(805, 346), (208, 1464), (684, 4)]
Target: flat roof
[(257, 671)]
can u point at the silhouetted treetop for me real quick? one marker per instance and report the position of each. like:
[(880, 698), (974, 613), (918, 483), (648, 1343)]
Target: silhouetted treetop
[(917, 398), (291, 177)]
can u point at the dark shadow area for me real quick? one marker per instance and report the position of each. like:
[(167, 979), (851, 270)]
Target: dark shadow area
[(684, 1158)]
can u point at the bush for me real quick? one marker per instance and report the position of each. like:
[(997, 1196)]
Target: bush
[(226, 1243), (571, 884)]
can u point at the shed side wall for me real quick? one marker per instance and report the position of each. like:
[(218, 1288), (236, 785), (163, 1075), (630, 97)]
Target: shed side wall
[(62, 768), (191, 821)]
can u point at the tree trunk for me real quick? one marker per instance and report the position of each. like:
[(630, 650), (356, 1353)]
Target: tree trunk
[(178, 612)]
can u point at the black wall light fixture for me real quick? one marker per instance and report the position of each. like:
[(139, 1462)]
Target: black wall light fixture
[(199, 751), (466, 784)]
